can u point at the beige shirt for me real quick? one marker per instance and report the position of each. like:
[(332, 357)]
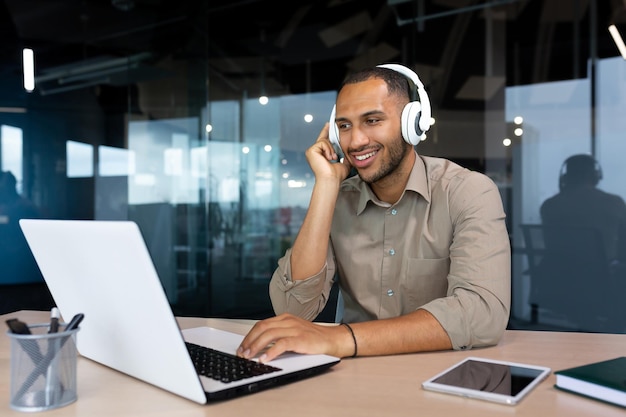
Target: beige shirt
[(442, 247)]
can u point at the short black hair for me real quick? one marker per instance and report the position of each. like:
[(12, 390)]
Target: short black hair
[(397, 83)]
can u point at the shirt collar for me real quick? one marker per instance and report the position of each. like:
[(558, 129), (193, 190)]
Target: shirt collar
[(418, 182)]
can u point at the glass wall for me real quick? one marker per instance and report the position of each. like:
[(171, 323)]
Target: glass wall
[(149, 111)]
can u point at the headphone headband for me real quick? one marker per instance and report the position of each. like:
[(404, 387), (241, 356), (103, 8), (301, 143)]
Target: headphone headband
[(417, 114), (407, 72)]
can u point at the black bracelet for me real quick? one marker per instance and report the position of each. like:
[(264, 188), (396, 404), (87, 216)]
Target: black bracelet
[(353, 338)]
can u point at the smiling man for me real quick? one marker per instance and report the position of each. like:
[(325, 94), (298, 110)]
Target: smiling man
[(418, 244)]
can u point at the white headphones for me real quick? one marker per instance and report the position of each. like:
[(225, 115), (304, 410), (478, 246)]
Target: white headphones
[(416, 115)]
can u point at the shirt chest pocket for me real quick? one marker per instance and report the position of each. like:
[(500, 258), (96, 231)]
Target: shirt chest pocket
[(425, 280)]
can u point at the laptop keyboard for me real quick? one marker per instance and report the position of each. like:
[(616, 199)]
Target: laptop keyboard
[(225, 367)]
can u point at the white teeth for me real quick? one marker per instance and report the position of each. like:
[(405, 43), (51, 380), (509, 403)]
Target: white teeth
[(364, 157)]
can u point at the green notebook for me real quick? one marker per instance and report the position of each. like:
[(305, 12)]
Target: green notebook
[(604, 381)]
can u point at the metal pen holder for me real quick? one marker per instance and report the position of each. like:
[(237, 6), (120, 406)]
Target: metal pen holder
[(43, 368)]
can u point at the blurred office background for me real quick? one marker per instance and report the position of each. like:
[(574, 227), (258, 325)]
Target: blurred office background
[(150, 110)]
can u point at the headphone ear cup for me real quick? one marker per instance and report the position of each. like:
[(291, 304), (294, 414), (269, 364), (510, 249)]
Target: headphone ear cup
[(563, 175), (333, 135), (424, 120), (333, 132), (411, 115), (598, 170)]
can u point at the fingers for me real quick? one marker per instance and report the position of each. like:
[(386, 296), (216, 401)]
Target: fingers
[(263, 334), (276, 349), (271, 337), (324, 146), (324, 132)]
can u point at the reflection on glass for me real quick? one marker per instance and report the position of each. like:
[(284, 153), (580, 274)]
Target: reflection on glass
[(79, 159), (17, 263), (113, 162), (218, 207), (557, 123), (584, 234), (11, 151)]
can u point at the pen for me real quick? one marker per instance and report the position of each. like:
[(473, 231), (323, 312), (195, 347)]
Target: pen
[(52, 372), (75, 321), (54, 320)]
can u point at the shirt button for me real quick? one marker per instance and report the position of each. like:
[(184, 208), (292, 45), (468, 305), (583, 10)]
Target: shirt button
[(392, 252), (394, 212), (390, 293)]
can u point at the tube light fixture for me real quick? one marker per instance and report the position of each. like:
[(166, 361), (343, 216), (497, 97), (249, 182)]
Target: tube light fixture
[(29, 69), (617, 38)]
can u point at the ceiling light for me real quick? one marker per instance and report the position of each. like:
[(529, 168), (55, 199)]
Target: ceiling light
[(619, 41), (29, 69)]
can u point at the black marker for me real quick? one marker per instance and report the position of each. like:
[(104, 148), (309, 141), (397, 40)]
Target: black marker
[(30, 346), (18, 327)]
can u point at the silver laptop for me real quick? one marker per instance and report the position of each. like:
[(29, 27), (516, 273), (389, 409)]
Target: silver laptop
[(103, 269)]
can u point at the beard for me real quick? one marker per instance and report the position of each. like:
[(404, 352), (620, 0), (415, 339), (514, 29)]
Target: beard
[(395, 154)]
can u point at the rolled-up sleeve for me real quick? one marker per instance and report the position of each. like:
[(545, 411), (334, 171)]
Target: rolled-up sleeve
[(305, 298), (475, 311)]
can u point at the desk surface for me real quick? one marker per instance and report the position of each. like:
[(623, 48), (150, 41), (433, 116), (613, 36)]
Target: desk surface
[(375, 386)]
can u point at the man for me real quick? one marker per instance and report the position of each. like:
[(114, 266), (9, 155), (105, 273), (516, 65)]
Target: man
[(580, 203), (419, 244), (584, 263)]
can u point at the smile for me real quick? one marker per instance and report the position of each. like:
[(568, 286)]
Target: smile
[(364, 157)]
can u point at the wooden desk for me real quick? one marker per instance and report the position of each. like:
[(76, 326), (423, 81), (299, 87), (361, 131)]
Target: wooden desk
[(376, 386)]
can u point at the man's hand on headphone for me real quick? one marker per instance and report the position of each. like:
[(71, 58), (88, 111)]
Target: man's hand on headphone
[(322, 158)]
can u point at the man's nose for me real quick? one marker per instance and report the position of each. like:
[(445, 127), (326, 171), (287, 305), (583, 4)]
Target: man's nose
[(358, 138)]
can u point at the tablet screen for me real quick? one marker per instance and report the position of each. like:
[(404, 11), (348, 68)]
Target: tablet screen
[(487, 379)]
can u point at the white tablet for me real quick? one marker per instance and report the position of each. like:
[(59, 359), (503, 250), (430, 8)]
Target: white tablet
[(488, 379)]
